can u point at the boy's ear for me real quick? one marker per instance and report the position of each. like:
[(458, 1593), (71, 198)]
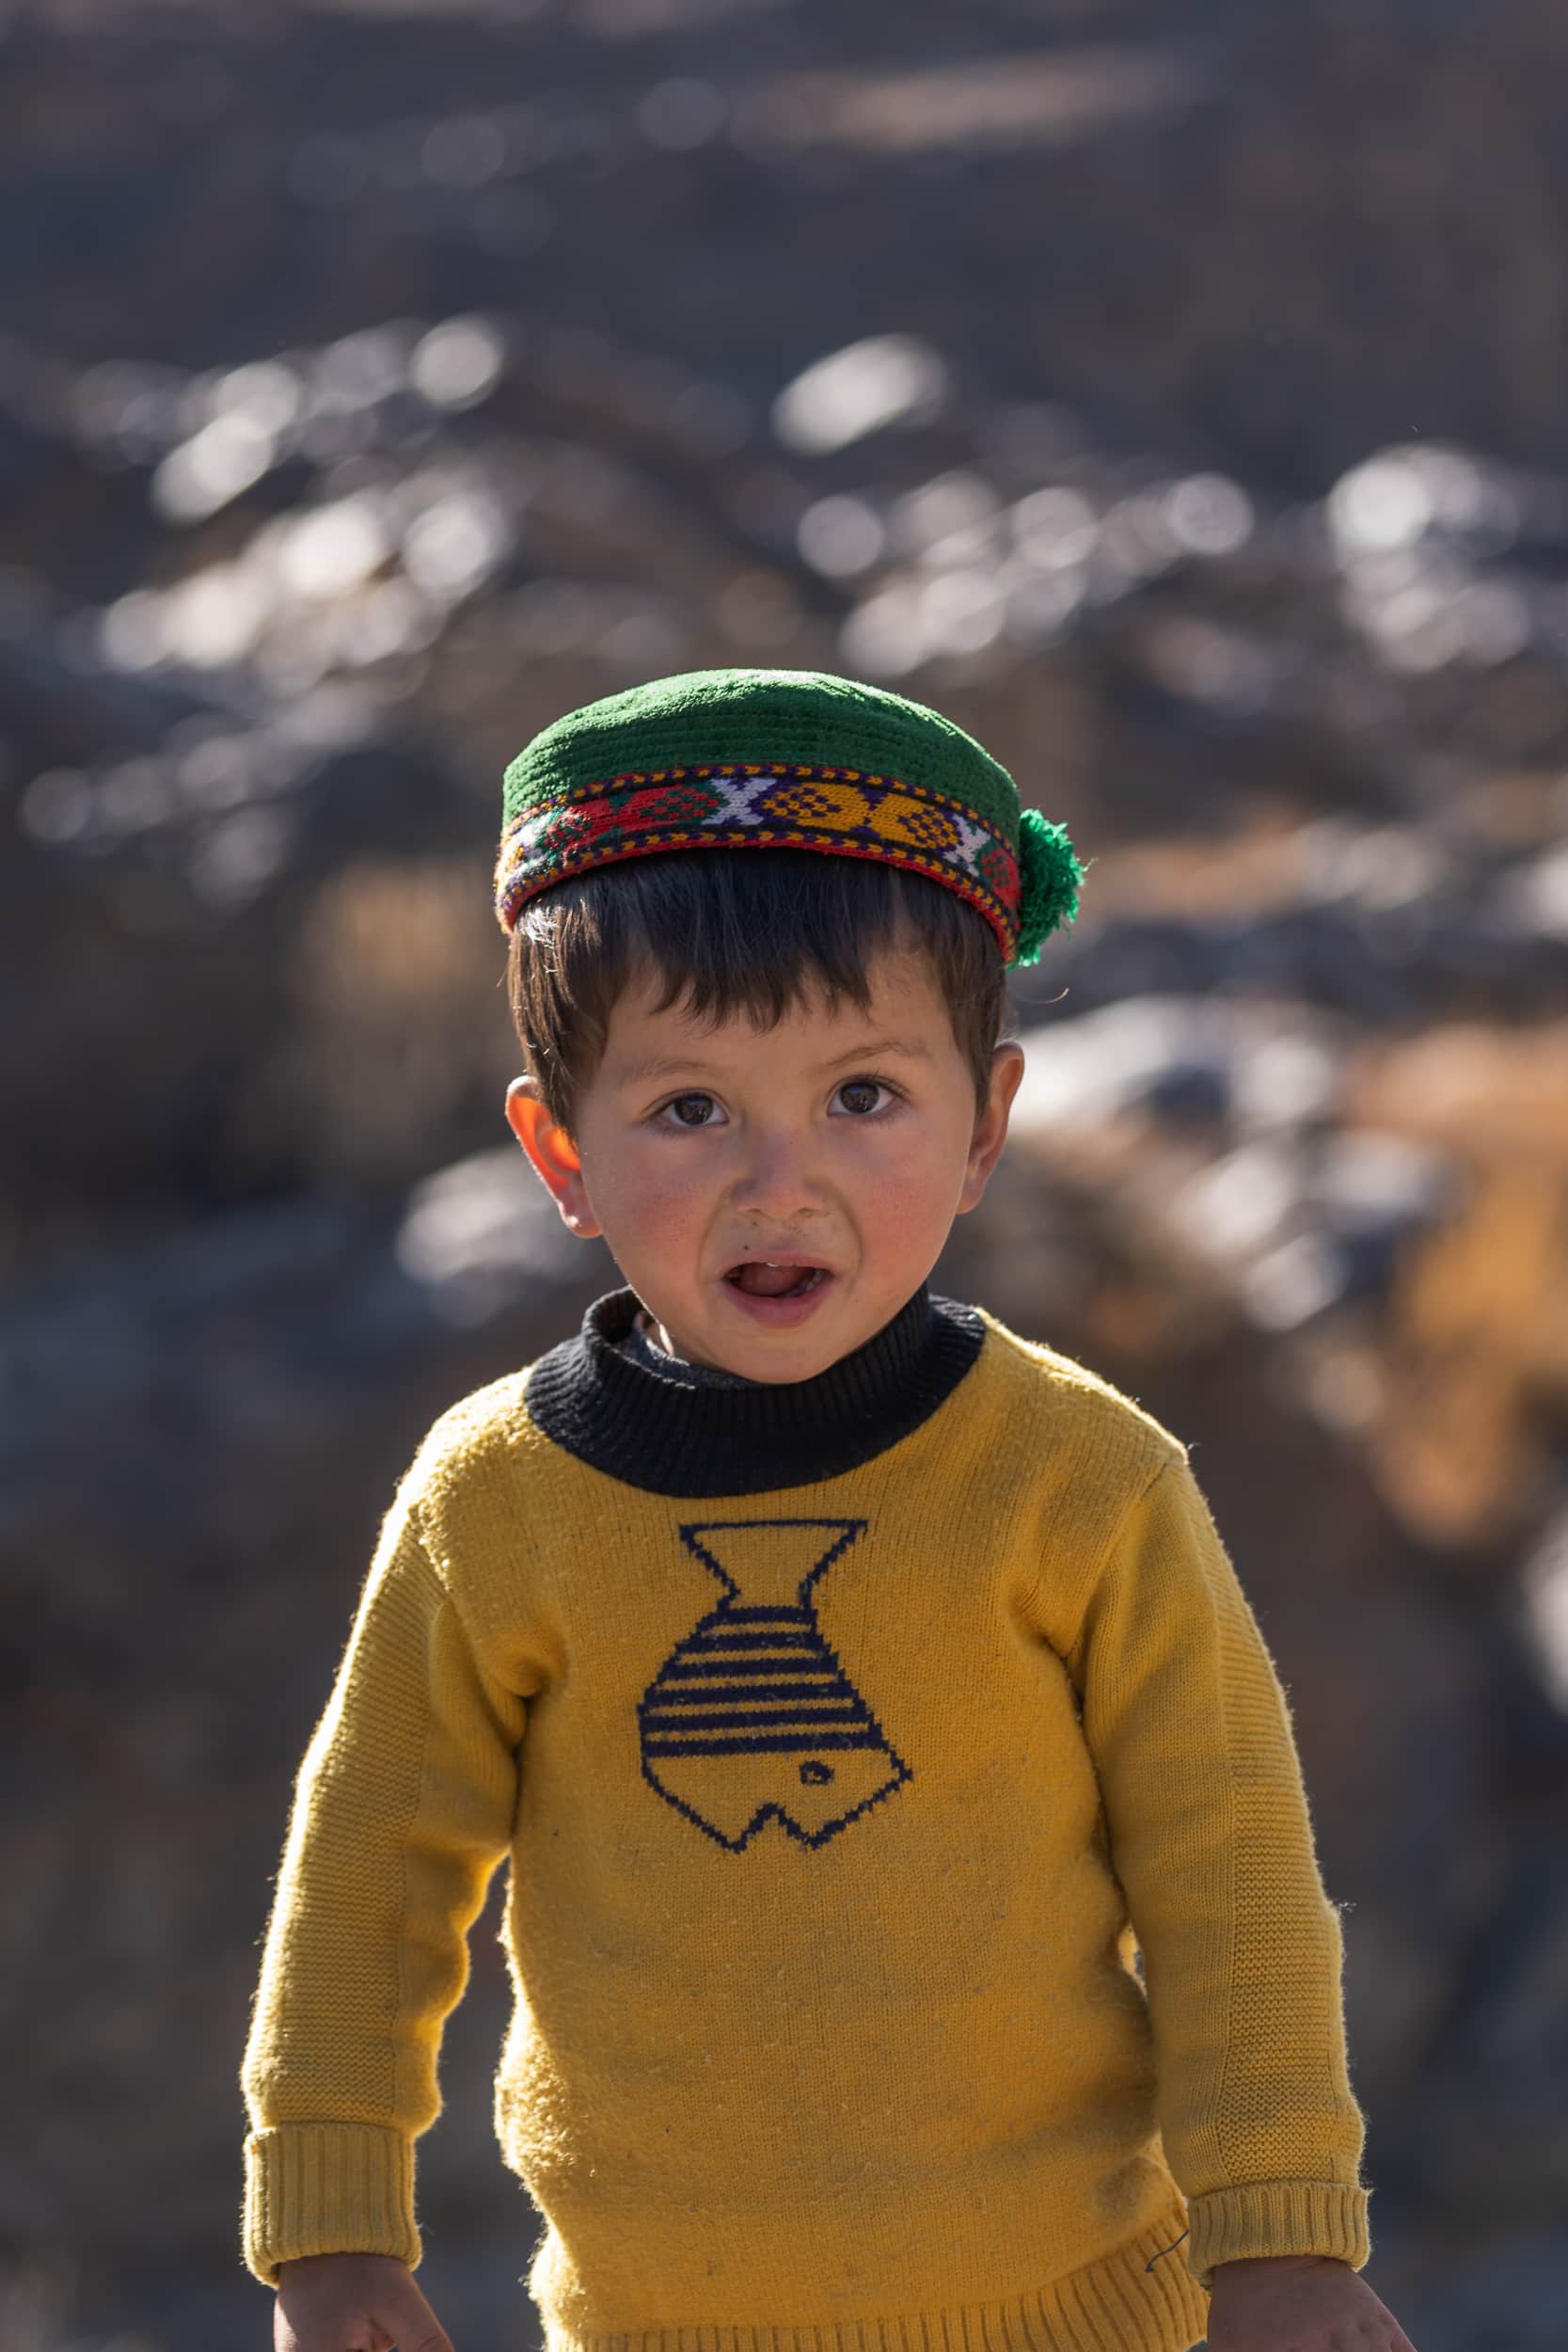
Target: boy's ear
[(553, 1154), (990, 1128)]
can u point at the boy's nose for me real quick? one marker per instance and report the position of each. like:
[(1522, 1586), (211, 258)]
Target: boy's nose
[(778, 1179)]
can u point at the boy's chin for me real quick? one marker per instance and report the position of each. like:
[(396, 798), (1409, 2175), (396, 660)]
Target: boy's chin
[(777, 1340)]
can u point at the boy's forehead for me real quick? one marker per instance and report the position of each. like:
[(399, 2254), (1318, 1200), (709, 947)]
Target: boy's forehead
[(906, 1014)]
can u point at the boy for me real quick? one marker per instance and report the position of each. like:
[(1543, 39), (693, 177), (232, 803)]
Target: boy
[(844, 1678)]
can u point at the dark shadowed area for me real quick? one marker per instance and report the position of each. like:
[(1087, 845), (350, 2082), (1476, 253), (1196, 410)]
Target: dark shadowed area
[(1177, 399)]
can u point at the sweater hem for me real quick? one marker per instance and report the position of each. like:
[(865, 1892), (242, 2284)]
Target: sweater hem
[(1130, 2300)]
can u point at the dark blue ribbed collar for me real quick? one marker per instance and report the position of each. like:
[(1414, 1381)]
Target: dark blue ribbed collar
[(674, 1432)]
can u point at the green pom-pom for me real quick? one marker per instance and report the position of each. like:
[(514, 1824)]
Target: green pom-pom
[(1049, 876)]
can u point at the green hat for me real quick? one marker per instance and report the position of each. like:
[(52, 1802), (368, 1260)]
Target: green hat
[(792, 759)]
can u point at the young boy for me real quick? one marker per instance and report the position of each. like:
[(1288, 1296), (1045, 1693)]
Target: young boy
[(915, 1925)]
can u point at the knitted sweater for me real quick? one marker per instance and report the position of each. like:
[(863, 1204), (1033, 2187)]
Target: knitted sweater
[(913, 1917)]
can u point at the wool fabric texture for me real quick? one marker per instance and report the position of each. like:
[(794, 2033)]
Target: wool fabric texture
[(913, 1920), (737, 759)]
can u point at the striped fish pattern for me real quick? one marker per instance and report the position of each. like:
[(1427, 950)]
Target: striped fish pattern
[(752, 1717)]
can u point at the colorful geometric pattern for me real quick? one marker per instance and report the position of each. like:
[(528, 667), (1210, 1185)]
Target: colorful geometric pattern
[(752, 1717), (771, 804)]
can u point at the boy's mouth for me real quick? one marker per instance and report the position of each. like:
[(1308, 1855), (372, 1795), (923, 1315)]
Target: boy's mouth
[(762, 1277)]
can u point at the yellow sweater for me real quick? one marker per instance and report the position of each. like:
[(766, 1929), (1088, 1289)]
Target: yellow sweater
[(913, 1918)]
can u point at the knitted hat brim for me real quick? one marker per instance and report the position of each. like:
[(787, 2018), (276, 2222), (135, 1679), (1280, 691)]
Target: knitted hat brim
[(780, 805)]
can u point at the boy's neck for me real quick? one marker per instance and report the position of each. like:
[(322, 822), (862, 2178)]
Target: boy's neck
[(617, 1401), (645, 1345)]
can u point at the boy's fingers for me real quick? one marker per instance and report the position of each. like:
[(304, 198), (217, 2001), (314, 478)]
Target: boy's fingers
[(343, 2303), (413, 2326)]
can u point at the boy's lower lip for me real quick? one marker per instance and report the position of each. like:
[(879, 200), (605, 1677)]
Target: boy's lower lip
[(780, 1313)]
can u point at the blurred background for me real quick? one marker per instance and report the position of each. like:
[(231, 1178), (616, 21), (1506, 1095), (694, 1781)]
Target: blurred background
[(1180, 400)]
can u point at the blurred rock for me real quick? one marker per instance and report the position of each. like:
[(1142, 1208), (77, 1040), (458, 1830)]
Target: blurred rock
[(198, 1443)]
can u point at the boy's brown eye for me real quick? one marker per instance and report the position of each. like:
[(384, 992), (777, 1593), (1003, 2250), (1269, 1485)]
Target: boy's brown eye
[(703, 1106), (866, 1090)]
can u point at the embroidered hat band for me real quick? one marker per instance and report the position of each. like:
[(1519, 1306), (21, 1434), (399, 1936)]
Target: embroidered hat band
[(782, 760)]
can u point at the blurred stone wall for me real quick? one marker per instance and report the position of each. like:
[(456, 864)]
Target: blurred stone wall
[(1181, 407)]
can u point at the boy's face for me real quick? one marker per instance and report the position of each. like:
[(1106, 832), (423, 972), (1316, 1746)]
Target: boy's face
[(838, 1145)]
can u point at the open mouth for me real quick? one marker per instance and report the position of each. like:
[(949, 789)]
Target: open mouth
[(760, 1278)]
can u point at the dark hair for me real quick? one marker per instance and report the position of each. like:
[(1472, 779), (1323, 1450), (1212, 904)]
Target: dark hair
[(738, 931)]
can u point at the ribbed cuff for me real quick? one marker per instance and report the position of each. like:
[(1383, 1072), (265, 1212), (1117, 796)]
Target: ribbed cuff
[(1276, 2217), (327, 2188)]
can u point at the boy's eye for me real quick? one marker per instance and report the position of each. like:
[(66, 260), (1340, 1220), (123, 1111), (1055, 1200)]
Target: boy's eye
[(691, 1110), (857, 1094)]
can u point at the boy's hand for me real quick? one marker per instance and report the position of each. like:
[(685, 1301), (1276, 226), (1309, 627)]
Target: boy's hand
[(353, 2303), (1297, 2303)]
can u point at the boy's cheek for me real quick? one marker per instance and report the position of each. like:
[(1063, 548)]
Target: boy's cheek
[(645, 1213), (913, 1196)]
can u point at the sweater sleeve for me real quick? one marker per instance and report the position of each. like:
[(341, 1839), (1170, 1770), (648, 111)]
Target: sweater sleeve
[(402, 1810), (1212, 1841)]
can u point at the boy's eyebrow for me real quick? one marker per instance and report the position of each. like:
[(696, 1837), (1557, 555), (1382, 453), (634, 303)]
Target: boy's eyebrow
[(665, 1065), (910, 1045)]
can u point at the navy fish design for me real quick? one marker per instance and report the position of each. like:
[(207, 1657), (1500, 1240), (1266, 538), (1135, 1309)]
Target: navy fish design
[(752, 1717)]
